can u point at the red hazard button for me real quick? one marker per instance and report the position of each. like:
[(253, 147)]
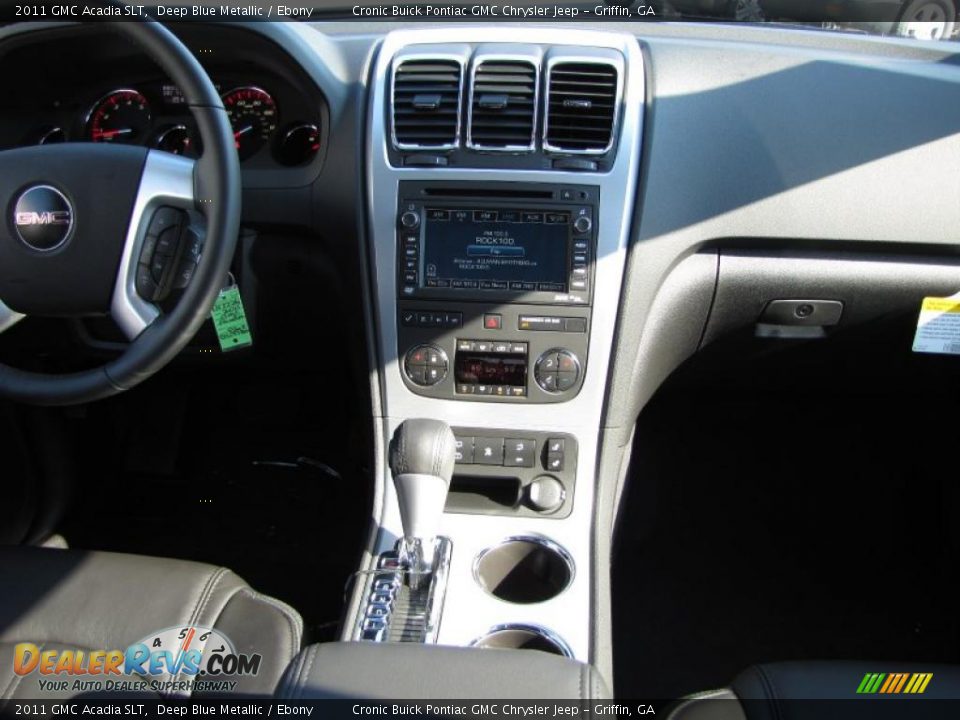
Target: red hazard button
[(492, 322)]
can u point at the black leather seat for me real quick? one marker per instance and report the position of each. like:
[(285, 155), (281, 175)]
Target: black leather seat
[(68, 599), (791, 691)]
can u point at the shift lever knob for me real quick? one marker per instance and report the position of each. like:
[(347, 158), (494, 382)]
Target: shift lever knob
[(421, 461)]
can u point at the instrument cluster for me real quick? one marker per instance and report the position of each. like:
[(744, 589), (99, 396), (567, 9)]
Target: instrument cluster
[(156, 115)]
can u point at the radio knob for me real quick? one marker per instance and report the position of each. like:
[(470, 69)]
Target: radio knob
[(546, 494), (425, 365), (557, 371), (410, 219), (583, 224)]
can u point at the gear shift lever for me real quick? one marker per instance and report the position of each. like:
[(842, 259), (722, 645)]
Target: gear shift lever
[(421, 461)]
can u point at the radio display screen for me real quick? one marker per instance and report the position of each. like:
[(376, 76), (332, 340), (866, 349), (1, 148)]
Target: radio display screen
[(519, 250)]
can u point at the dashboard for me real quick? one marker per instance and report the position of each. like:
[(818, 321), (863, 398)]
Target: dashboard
[(533, 280)]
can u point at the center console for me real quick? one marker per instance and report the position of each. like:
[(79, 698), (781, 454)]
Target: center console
[(494, 289), (502, 169)]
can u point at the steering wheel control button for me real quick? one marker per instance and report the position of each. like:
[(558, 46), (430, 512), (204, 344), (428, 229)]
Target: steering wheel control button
[(488, 451), (425, 365), (43, 218), (167, 262), (519, 452), (545, 494)]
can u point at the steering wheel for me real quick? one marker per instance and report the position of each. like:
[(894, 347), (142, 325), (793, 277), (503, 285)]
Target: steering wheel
[(81, 222)]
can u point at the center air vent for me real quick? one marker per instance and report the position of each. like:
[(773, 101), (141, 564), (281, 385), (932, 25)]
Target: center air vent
[(426, 104), (503, 106), (581, 107)]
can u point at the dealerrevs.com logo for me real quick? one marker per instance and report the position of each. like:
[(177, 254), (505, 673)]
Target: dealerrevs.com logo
[(172, 661)]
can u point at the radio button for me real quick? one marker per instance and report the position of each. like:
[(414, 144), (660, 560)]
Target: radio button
[(533, 217), (410, 219), (578, 284), (438, 215), (557, 218), (583, 224), (581, 245)]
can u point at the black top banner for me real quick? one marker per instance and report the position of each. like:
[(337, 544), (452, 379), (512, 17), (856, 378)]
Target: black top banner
[(863, 15)]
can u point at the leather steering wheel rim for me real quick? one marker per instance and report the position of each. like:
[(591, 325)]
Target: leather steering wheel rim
[(216, 196)]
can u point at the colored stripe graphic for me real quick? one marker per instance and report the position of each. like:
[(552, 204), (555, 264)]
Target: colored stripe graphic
[(894, 683)]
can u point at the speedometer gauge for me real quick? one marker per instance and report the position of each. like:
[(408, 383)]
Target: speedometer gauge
[(253, 115), (121, 116)]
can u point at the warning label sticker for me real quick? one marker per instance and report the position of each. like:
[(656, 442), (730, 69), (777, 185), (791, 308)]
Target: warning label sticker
[(938, 327)]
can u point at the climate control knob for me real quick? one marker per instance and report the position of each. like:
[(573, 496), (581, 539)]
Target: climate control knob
[(557, 370), (425, 365)]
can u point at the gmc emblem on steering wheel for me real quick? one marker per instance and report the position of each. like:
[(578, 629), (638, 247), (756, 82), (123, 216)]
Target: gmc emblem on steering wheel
[(43, 218)]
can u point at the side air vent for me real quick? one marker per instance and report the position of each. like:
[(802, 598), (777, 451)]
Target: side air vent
[(426, 104), (503, 106), (581, 107)]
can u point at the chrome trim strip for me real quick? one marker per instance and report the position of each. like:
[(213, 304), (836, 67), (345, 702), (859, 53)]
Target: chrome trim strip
[(557, 59), (167, 179), (481, 56), (460, 59)]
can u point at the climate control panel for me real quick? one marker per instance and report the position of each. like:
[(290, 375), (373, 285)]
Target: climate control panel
[(502, 353)]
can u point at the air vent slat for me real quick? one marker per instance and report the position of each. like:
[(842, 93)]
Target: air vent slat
[(426, 103), (503, 111), (581, 107)]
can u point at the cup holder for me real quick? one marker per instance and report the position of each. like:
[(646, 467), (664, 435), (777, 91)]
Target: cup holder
[(524, 637), (524, 570)]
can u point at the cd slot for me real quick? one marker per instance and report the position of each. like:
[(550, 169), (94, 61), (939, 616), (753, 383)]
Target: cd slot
[(513, 194)]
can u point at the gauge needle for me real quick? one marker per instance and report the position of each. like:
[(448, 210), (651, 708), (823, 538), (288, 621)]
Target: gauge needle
[(112, 133), (237, 134)]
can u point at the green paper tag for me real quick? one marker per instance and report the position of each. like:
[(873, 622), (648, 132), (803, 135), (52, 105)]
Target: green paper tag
[(230, 320)]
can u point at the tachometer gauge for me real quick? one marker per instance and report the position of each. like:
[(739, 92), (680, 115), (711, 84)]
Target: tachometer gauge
[(253, 115), (122, 116)]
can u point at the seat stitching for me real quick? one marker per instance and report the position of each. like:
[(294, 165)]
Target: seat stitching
[(312, 654)]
